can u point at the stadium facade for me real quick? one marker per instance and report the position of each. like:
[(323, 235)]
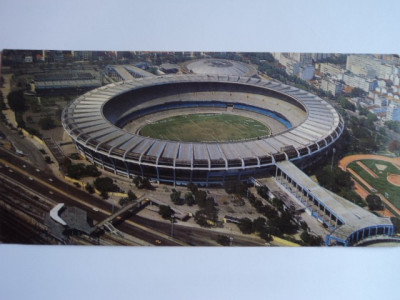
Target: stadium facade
[(306, 127)]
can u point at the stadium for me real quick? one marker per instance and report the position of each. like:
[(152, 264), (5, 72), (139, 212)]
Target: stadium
[(105, 125)]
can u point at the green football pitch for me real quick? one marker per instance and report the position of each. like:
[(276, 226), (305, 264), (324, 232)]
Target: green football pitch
[(205, 128)]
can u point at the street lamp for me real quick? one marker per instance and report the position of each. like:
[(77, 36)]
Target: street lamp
[(333, 155), (172, 225)]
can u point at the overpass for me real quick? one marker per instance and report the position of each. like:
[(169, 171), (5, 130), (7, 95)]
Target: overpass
[(347, 222), (138, 203)]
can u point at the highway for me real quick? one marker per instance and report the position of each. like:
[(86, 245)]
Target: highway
[(45, 183)]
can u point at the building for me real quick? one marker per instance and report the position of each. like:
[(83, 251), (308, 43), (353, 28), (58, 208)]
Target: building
[(125, 72), (370, 66), (331, 70), (297, 64), (333, 86), (316, 57), (168, 68), (364, 83), (51, 82), (216, 66), (393, 112)]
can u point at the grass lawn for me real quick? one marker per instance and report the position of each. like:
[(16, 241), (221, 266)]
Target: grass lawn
[(205, 128), (380, 184)]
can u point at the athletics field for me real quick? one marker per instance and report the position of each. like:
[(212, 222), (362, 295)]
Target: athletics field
[(205, 128)]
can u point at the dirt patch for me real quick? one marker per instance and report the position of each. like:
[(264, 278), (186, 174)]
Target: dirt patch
[(394, 179), (348, 159), (386, 213), (360, 190)]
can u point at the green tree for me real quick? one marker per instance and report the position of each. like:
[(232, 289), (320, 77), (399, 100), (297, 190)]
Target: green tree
[(142, 182), (357, 92), (16, 101), (189, 199), (223, 240), (176, 197), (105, 184), (104, 195), (374, 202), (246, 225), (278, 203), (165, 211), (259, 224), (192, 187), (310, 239), (200, 197), (394, 146), (396, 223), (262, 191)]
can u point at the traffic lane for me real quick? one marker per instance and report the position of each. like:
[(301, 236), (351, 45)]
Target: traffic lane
[(93, 213), (197, 236), (48, 176)]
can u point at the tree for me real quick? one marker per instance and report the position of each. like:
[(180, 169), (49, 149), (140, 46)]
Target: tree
[(259, 224), (142, 182), (310, 239), (200, 197), (189, 199), (396, 224), (374, 202), (223, 240), (104, 195), (206, 218), (192, 187), (394, 146), (278, 203), (246, 226), (263, 192), (16, 101), (176, 197), (165, 211), (105, 184), (78, 171), (357, 92)]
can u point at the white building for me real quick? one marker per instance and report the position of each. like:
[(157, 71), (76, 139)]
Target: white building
[(297, 64), (331, 69), (393, 112), (332, 86), (363, 83), (370, 66)]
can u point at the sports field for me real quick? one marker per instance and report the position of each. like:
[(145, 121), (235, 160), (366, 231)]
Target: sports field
[(205, 128), (377, 173)]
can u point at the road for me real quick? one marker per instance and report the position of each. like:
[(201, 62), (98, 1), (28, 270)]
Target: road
[(44, 183), (21, 143), (153, 232)]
